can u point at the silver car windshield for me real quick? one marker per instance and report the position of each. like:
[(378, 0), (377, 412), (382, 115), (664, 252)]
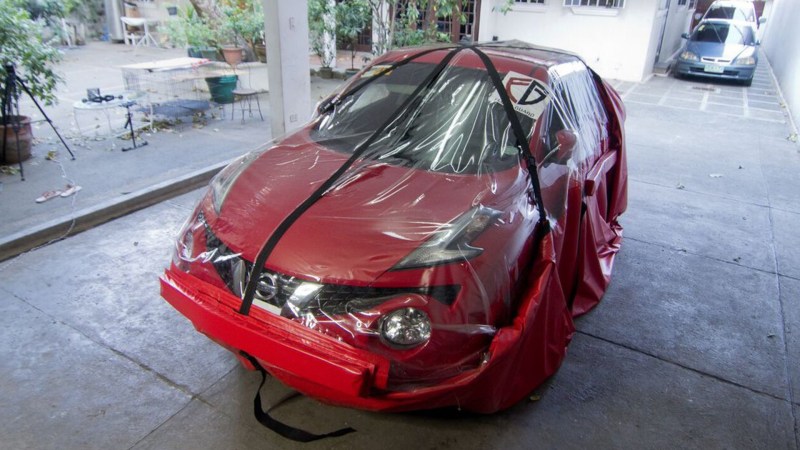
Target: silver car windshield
[(723, 33)]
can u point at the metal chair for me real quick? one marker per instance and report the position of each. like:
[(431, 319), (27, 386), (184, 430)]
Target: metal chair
[(242, 94)]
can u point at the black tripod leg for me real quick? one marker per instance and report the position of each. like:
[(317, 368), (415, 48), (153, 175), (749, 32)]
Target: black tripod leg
[(129, 124), (35, 102)]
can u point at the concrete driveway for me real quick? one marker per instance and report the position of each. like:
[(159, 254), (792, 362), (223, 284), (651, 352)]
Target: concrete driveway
[(696, 343)]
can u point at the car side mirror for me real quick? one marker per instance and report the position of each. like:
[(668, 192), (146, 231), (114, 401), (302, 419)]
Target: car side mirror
[(685, 35), (566, 143), (762, 20)]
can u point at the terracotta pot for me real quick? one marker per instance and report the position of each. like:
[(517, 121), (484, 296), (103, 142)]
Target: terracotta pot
[(23, 137), (232, 55)]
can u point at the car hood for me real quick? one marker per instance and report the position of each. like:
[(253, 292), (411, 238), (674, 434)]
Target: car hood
[(716, 50), (376, 215)]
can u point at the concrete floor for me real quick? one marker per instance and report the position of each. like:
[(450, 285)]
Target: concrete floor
[(696, 343)]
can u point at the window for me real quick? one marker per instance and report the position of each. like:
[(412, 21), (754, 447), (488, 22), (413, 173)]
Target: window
[(681, 2), (530, 2), (692, 3), (597, 3)]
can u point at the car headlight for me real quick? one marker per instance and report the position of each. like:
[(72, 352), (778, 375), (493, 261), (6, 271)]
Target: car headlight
[(406, 327), (689, 56), (453, 241), (745, 61), (223, 181)]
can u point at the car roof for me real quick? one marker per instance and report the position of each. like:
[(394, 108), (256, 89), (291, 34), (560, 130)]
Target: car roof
[(731, 3), (742, 23), (513, 50), (746, 6)]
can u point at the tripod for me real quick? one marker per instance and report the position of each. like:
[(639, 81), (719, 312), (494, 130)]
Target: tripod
[(11, 116), (129, 124)]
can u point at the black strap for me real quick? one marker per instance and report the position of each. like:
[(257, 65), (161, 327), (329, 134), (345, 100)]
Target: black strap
[(287, 431), (280, 231), (516, 127)]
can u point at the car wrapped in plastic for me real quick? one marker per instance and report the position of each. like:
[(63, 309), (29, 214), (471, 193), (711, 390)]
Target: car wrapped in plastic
[(426, 240)]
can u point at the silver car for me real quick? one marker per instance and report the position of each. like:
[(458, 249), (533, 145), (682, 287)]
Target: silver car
[(722, 49)]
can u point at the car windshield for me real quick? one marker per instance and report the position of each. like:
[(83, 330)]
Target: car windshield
[(723, 33), (730, 13), (452, 127)]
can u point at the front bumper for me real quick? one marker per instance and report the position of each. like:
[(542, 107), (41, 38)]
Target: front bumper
[(520, 357), (277, 343), (730, 72)]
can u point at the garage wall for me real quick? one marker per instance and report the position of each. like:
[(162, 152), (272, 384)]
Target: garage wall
[(680, 17), (782, 46), (616, 46)]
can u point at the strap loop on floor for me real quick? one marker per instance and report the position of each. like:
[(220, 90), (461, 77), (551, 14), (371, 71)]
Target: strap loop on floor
[(287, 431)]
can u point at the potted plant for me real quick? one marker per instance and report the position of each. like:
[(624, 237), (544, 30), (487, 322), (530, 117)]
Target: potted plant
[(243, 25), (23, 46), (352, 17), (194, 32)]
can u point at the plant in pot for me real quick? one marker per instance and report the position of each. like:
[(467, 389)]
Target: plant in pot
[(242, 25), (22, 45), (193, 31), (352, 18)]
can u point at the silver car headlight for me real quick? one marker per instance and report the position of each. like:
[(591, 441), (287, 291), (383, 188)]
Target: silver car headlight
[(406, 327), (745, 61), (689, 56)]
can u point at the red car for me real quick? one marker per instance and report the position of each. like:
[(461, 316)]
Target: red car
[(426, 240)]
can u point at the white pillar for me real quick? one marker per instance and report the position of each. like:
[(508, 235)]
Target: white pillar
[(380, 31), (286, 23)]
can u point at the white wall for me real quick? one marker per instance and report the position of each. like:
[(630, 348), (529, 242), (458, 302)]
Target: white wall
[(619, 47), (782, 46), (678, 22)]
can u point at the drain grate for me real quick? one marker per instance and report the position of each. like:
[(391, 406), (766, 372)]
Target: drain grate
[(706, 89)]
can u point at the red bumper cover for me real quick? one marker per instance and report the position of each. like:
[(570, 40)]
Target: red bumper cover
[(521, 355)]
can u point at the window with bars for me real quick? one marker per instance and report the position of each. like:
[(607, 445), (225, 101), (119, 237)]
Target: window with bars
[(681, 2), (597, 3), (529, 2)]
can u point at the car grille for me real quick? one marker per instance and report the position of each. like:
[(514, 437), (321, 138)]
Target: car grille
[(330, 299), (715, 60)]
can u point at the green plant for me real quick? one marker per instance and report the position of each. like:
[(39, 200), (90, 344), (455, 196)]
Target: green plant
[(243, 23), (190, 29), (218, 23), (352, 17), (21, 44)]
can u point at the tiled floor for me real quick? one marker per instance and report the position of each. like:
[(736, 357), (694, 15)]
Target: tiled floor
[(760, 101)]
